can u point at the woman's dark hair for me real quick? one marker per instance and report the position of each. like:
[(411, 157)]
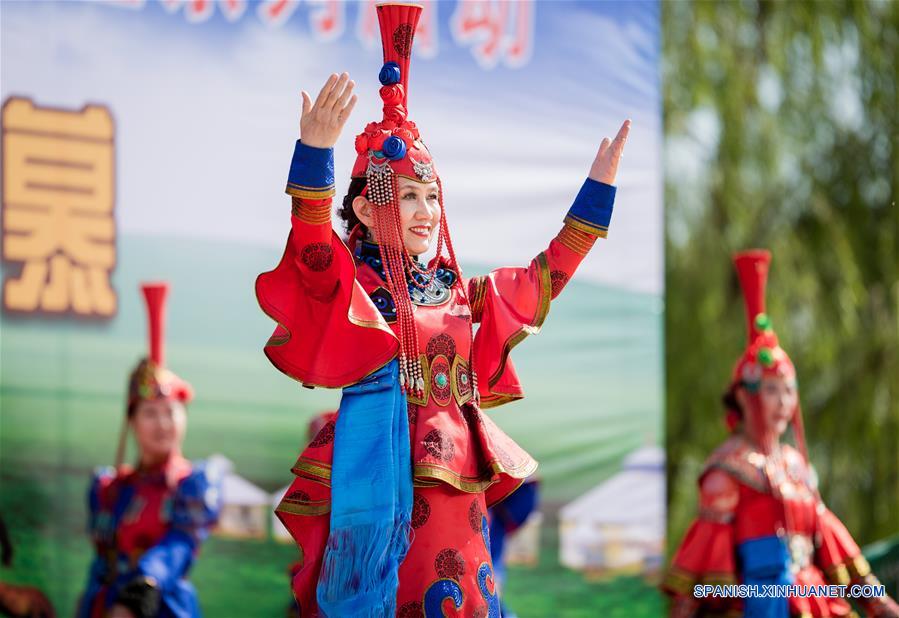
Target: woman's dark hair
[(346, 212), (729, 400)]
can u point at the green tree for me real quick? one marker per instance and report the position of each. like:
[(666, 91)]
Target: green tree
[(781, 125)]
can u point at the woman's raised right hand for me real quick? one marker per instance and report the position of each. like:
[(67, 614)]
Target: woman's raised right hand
[(322, 122)]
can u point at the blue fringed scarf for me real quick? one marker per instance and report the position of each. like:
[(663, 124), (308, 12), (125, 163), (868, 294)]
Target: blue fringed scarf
[(371, 500)]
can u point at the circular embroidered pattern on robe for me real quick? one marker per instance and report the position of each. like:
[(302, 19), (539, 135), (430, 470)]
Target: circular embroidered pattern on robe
[(558, 280), (441, 390), (413, 609), (402, 40), (317, 256), (441, 344), (475, 515), (324, 436), (450, 564), (298, 496), (439, 445), (421, 511)]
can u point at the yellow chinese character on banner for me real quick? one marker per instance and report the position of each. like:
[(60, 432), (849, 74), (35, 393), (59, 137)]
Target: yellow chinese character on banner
[(58, 200)]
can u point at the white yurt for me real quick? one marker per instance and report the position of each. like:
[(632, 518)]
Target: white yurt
[(618, 526), (245, 506)]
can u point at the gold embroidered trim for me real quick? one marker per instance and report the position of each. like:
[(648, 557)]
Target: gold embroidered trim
[(494, 400), (313, 214), (587, 227), (422, 474), (315, 468), (304, 508), (577, 240), (838, 574), (533, 328), (455, 392), (681, 581), (276, 340), (474, 484), (477, 293), (311, 193), (843, 573), (858, 567), (458, 369)]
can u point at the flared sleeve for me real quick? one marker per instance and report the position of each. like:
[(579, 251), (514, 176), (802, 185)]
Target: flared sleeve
[(328, 331), (512, 303)]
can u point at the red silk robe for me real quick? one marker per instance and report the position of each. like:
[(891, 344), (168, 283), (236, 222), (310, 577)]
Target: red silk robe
[(746, 495), (335, 327)]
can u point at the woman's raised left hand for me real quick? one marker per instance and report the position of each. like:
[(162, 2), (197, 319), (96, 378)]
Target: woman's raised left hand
[(605, 165)]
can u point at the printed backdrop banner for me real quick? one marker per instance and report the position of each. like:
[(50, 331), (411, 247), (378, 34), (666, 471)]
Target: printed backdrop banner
[(151, 140)]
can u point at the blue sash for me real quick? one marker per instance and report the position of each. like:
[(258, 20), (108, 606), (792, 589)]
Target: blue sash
[(765, 560), (371, 500)]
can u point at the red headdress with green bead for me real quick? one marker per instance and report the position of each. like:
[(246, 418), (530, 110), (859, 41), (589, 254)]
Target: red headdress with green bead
[(387, 150), (763, 356)]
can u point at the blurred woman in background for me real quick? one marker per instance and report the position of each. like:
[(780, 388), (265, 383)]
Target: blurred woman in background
[(147, 521), (761, 519)]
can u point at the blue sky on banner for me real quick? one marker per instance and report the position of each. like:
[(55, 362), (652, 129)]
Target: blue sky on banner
[(207, 106)]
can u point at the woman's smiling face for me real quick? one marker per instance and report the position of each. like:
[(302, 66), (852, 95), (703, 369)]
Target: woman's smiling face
[(419, 214), (419, 207)]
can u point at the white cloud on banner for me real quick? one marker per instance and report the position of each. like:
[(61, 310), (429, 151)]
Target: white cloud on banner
[(206, 117)]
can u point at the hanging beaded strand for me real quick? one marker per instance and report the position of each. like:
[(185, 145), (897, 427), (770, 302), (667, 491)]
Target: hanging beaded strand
[(428, 273), (384, 189)]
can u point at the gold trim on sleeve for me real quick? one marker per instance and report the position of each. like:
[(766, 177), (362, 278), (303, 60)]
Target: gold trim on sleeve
[(579, 241), (313, 214), (583, 225), (304, 508), (310, 193)]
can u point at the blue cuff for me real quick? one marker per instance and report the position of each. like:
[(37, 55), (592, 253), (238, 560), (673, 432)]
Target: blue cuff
[(592, 208), (311, 172)]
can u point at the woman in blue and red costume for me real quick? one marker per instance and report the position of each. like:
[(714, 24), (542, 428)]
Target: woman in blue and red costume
[(147, 521), (389, 502), (761, 518)]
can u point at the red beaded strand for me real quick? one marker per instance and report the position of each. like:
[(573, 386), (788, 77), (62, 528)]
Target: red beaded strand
[(383, 188), (390, 241)]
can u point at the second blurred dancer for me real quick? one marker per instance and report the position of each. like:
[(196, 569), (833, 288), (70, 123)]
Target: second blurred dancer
[(761, 518), (147, 521)]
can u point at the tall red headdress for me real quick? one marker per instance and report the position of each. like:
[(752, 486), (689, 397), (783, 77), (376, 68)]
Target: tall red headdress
[(150, 379), (387, 150), (763, 355)]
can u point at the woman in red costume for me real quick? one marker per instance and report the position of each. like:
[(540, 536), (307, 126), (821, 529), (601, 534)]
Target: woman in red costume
[(389, 502), (761, 519), (147, 522)]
